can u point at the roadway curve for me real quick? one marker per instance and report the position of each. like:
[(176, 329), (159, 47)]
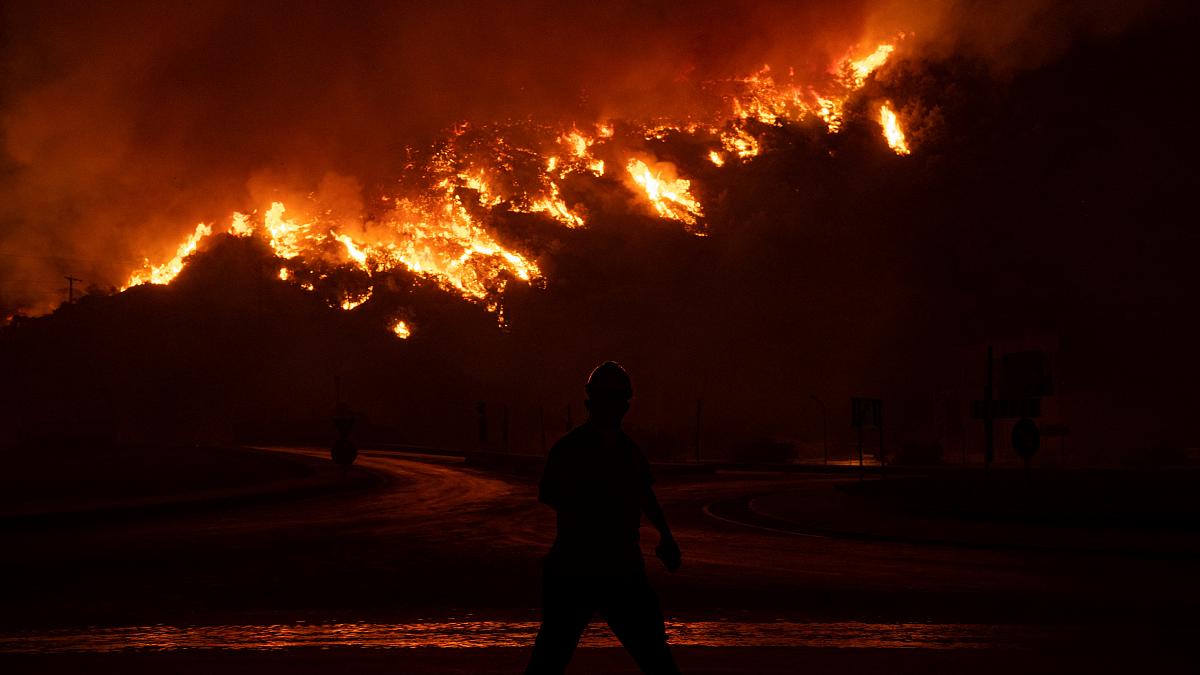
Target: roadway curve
[(741, 560), (435, 538)]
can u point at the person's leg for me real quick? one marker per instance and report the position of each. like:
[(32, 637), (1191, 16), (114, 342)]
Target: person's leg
[(565, 614), (632, 612)]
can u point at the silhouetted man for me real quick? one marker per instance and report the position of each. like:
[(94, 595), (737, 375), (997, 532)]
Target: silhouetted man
[(599, 484)]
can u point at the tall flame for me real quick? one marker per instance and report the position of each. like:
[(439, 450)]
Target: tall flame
[(166, 272), (861, 69), (671, 198), (892, 131)]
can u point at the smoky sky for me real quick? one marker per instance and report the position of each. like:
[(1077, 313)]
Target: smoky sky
[(125, 123)]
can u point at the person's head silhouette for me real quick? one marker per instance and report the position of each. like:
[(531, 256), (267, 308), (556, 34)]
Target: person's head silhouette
[(608, 392)]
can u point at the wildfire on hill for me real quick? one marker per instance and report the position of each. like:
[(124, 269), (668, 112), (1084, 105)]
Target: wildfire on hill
[(437, 226)]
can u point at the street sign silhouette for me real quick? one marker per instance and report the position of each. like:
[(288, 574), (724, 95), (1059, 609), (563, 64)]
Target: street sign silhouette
[(1025, 438)]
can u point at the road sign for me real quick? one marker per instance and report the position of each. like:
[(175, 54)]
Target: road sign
[(866, 413), (1025, 375), (1025, 438)]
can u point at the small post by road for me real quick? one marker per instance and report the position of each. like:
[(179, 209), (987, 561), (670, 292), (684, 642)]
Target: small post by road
[(824, 428), (882, 450), (988, 435), (699, 412), (860, 452), (867, 412)]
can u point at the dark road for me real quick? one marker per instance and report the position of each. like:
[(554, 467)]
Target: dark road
[(336, 570)]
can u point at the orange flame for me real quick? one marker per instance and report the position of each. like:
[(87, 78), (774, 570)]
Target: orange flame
[(435, 235), (353, 300), (401, 329), (670, 197), (166, 272), (861, 69), (892, 133), (765, 100)]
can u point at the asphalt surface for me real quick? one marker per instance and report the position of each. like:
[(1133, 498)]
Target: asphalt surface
[(432, 540)]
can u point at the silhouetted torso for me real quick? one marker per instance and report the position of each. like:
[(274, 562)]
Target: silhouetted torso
[(594, 478)]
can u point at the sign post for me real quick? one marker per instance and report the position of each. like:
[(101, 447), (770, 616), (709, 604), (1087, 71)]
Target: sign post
[(1025, 440), (1025, 380), (989, 437), (867, 413)]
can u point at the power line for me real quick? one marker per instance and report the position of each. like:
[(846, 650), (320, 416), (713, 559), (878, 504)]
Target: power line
[(72, 258)]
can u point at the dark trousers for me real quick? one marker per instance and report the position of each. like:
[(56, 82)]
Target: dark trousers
[(627, 603)]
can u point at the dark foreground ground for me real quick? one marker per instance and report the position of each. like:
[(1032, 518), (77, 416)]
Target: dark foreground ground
[(707, 661), (426, 565)]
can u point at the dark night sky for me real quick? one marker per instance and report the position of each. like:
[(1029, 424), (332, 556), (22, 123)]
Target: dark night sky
[(1048, 195)]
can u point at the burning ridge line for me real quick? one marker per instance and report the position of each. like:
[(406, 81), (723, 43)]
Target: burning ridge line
[(435, 235)]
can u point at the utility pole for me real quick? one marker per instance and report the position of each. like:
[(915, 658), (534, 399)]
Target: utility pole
[(860, 452), (71, 288), (699, 411), (882, 449)]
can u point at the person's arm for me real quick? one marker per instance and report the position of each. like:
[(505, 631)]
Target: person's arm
[(654, 512), (667, 549)]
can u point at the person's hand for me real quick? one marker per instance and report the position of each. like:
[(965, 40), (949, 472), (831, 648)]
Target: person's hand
[(668, 552)]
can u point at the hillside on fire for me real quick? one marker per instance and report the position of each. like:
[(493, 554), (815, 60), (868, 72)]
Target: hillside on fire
[(862, 227)]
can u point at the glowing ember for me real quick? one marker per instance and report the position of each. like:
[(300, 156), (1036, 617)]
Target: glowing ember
[(283, 273), (830, 112), (556, 209), (892, 131), (401, 329), (353, 300), (740, 143), (671, 198), (716, 158), (580, 148)]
